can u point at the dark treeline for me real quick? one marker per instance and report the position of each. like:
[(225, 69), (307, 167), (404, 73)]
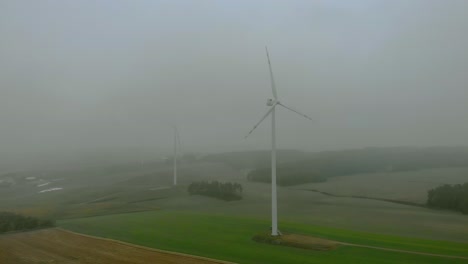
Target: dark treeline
[(15, 222), (286, 176), (224, 191), (453, 197), (255, 159), (369, 160)]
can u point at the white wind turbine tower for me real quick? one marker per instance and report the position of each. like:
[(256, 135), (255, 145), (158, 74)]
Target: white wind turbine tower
[(273, 103), (176, 145)]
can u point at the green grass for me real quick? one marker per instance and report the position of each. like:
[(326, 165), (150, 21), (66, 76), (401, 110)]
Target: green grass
[(379, 240), (229, 238)]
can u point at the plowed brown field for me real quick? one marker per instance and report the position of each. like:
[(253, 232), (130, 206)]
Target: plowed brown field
[(60, 246)]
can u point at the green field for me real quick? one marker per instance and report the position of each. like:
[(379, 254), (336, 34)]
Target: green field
[(229, 238), (109, 203)]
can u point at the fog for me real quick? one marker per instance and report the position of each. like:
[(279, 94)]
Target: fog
[(113, 76)]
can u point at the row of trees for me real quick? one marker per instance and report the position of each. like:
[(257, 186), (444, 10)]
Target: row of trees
[(320, 166), (254, 159), (287, 176), (15, 222), (453, 197), (225, 191)]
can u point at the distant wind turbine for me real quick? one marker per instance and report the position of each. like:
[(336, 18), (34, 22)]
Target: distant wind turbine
[(176, 145), (273, 103)]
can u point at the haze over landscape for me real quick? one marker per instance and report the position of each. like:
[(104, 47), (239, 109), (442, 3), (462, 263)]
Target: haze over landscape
[(125, 131), (109, 76)]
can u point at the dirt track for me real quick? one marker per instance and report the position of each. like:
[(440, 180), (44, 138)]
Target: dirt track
[(60, 246)]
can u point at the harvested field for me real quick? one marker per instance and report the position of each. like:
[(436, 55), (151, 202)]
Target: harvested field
[(60, 246)]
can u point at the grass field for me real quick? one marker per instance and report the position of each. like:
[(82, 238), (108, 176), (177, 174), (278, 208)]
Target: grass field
[(316, 209), (133, 191), (223, 230), (229, 238)]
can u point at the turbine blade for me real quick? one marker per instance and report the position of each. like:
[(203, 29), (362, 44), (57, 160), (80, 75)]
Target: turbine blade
[(272, 79), (178, 139), (295, 111), (261, 120)]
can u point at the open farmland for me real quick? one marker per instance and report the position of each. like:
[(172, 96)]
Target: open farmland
[(223, 230), (230, 238), (104, 190), (407, 186), (235, 132), (59, 246), (317, 209), (174, 214), (131, 188)]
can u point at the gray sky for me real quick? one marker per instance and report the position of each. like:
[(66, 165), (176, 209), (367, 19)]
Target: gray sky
[(96, 75)]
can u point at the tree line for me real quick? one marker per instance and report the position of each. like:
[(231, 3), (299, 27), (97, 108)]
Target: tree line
[(453, 197), (287, 176), (254, 159), (225, 191), (15, 222), (323, 165)]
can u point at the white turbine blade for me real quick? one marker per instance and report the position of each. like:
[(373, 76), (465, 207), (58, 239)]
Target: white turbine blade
[(295, 111), (177, 135), (261, 120), (178, 140), (272, 79)]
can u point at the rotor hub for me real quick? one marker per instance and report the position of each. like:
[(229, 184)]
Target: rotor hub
[(271, 102)]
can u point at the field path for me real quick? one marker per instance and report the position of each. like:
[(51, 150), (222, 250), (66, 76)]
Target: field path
[(62, 246), (402, 251)]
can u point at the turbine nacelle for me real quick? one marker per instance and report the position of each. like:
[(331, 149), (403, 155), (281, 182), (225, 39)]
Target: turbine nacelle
[(271, 102)]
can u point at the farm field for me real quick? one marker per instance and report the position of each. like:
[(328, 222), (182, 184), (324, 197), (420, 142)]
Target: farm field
[(307, 207), (59, 246), (137, 205), (106, 190), (229, 238), (139, 188), (408, 186)]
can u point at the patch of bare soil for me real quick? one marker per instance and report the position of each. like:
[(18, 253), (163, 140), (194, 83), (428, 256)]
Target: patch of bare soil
[(299, 241), (49, 246), (309, 242)]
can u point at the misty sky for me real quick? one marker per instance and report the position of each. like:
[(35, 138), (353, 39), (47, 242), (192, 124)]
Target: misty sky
[(96, 75)]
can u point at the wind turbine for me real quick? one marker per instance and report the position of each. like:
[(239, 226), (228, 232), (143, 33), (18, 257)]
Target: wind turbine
[(176, 144), (272, 103)]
